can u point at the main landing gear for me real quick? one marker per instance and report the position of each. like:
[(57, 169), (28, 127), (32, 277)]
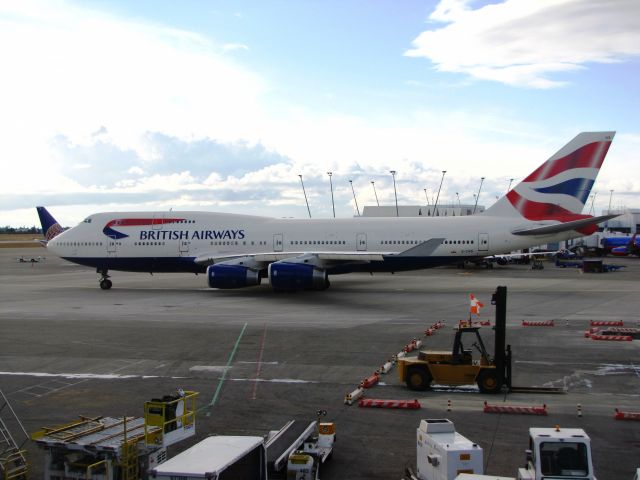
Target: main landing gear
[(105, 283)]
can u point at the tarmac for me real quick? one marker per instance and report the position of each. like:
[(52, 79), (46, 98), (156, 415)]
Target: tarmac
[(260, 358)]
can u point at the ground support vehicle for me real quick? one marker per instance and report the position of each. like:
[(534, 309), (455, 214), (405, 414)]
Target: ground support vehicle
[(442, 453), (558, 453), (296, 451), (458, 366), (117, 448)]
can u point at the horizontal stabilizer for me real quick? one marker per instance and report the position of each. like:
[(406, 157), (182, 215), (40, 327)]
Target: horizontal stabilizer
[(564, 227)]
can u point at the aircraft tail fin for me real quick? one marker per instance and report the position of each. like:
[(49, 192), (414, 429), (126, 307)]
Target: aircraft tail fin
[(50, 227), (560, 187)]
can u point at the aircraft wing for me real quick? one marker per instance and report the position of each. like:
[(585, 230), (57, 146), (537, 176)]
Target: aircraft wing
[(563, 227), (269, 257), (422, 250)]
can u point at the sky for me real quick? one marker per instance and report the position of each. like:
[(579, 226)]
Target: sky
[(223, 105)]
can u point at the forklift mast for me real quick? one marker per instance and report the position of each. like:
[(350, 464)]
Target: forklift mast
[(502, 356)]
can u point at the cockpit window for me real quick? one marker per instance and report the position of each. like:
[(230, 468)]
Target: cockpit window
[(87, 220)]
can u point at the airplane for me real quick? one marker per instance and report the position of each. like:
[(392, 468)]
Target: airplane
[(238, 251), (631, 247)]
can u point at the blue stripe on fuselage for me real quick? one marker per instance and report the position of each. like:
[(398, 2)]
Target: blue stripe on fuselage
[(141, 264), (391, 263)]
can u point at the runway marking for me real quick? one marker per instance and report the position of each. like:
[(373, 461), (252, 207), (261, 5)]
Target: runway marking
[(51, 386), (224, 373), (272, 380), (80, 376), (209, 368), (259, 366)]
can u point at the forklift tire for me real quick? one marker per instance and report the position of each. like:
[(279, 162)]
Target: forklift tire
[(418, 378), (488, 381)]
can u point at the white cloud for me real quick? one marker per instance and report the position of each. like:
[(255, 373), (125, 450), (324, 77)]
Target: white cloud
[(524, 42), (234, 47)]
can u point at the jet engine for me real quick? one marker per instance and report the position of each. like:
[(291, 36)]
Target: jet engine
[(232, 276), (297, 276)]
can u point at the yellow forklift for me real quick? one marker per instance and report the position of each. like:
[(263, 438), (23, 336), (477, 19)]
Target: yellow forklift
[(458, 366)]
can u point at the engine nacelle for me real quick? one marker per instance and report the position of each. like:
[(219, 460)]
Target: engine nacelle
[(297, 276), (232, 276)]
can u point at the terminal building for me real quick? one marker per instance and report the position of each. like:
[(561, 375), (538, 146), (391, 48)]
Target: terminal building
[(444, 210), (628, 222)]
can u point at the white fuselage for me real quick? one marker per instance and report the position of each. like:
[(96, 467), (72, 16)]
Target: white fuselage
[(171, 241)]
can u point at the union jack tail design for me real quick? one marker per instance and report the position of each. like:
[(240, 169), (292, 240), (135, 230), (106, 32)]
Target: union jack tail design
[(560, 187), (50, 227)]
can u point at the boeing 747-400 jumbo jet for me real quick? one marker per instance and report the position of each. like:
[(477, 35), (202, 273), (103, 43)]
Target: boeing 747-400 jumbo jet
[(239, 250)]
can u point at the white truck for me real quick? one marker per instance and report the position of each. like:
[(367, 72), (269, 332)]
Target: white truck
[(558, 453), (295, 452), (219, 457)]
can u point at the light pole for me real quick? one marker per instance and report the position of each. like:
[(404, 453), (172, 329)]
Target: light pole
[(435, 207), (458, 197), (395, 192), (332, 203), (305, 196), (610, 198), (478, 197), (354, 197), (374, 191), (509, 188), (593, 199)]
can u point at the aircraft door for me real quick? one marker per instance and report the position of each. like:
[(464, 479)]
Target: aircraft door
[(156, 224), (183, 246), (361, 242), (112, 247), (483, 242), (277, 242)]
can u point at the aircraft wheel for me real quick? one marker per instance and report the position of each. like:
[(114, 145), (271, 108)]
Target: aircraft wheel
[(488, 381), (418, 378), (106, 284)]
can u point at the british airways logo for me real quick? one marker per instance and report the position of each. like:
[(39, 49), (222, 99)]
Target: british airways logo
[(192, 235), (112, 230)]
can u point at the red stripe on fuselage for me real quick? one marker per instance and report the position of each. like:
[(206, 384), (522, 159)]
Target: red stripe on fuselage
[(588, 156), (137, 222)]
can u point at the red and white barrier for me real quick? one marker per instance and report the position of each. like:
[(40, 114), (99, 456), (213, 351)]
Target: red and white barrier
[(370, 381), (353, 396), (612, 338), (548, 323), (515, 409), (400, 404), (386, 367), (609, 323), (429, 331), (626, 415)]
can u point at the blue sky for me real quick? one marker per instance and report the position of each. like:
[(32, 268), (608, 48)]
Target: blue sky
[(220, 106)]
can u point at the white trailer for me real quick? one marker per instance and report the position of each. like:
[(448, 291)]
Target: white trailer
[(442, 453), (217, 457)]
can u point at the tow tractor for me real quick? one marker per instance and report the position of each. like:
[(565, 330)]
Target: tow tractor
[(459, 367), (562, 453), (558, 453)]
